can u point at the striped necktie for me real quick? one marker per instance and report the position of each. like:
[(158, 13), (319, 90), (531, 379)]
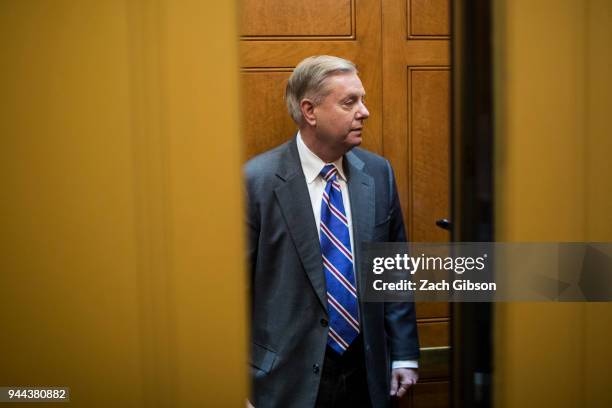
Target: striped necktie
[(338, 265)]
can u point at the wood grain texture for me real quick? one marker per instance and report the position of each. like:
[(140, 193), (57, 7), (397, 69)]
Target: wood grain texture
[(402, 52), (434, 333), (267, 123), (296, 19), (399, 54), (428, 19), (260, 54), (268, 54), (429, 135), (434, 363), (432, 309), (427, 394)]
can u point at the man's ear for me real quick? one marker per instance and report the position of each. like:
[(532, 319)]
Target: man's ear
[(307, 107)]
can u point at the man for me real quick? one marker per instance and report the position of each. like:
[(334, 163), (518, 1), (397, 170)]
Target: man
[(311, 203)]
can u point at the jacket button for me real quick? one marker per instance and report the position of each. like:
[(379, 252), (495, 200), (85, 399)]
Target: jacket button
[(324, 322), (315, 368)]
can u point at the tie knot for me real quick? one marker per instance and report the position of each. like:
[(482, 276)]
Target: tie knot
[(329, 172)]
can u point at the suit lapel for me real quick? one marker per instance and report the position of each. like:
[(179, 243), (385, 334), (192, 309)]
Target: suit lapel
[(294, 201), (362, 197), (361, 191)]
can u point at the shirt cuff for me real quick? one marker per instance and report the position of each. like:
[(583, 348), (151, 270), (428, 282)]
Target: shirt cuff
[(405, 364)]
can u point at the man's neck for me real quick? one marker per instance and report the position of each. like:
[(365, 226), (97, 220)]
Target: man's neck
[(317, 147)]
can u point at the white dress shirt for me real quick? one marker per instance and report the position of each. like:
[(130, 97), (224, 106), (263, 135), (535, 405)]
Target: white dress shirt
[(312, 166)]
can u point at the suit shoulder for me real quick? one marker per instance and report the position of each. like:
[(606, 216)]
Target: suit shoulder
[(370, 159), (264, 163)]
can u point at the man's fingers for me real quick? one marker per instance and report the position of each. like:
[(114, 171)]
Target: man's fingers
[(402, 389), (394, 384), (401, 380)]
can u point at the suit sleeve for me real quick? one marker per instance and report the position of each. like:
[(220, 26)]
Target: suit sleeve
[(253, 225), (400, 317)]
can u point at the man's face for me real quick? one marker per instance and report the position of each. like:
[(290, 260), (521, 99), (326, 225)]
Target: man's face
[(341, 114)]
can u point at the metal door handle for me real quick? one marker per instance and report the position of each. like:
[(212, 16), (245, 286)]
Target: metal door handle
[(444, 224)]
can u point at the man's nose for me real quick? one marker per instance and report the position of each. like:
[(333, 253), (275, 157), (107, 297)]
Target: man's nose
[(362, 112)]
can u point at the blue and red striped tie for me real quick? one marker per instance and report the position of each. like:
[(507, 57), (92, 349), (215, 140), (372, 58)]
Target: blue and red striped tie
[(338, 265)]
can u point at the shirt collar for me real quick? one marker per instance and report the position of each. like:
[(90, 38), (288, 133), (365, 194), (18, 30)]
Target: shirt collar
[(312, 164)]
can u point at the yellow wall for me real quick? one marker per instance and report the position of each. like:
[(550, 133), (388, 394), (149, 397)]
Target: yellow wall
[(121, 273), (553, 98)]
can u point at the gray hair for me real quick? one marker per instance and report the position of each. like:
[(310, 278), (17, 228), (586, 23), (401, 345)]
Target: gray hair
[(308, 81)]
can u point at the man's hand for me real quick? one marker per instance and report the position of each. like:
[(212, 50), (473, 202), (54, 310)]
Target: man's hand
[(401, 380)]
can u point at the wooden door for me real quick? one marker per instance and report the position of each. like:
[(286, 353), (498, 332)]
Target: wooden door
[(416, 135), (277, 34), (401, 48)]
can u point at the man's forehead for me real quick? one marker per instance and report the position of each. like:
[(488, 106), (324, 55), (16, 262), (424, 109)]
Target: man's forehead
[(348, 82)]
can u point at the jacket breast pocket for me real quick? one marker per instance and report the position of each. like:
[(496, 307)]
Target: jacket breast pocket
[(262, 358), (381, 230)]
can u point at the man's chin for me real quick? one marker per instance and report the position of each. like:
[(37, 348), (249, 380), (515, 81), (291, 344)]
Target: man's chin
[(354, 141)]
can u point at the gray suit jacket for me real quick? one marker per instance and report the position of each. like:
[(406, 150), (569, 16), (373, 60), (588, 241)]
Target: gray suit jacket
[(287, 281)]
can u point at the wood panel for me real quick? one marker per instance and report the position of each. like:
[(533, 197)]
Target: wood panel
[(399, 55), (264, 111), (435, 363), (428, 394), (434, 333), (428, 19), (281, 53), (432, 310), (297, 19), (428, 134), (416, 63)]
